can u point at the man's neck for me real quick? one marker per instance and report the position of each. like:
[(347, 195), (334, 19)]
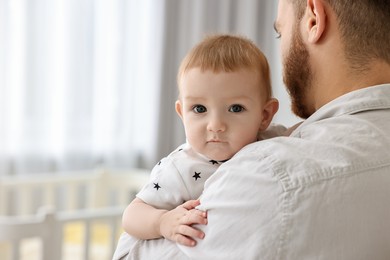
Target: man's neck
[(338, 84)]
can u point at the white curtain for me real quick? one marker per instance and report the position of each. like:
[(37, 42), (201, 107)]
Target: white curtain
[(85, 83)]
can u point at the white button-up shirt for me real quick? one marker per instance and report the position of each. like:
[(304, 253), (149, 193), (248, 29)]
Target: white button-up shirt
[(323, 193)]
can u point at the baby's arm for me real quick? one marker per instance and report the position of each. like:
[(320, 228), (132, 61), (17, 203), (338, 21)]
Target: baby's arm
[(146, 222)]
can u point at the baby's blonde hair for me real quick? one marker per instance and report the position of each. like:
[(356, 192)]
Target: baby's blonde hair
[(227, 53)]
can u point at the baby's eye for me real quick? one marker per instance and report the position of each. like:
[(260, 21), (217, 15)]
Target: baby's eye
[(199, 109), (236, 108)]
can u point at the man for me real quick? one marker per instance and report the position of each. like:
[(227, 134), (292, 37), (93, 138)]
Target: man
[(323, 192)]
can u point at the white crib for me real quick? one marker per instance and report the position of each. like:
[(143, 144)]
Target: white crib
[(39, 208)]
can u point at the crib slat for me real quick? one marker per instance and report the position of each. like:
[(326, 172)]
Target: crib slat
[(113, 239), (87, 239), (49, 196), (53, 236), (24, 200), (15, 250), (91, 195), (124, 197), (72, 196), (4, 198), (101, 189)]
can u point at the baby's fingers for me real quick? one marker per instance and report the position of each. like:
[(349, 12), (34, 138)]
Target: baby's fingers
[(199, 213), (186, 234), (185, 241), (191, 204), (193, 217)]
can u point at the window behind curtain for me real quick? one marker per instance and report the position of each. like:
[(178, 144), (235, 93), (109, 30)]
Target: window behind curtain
[(79, 83)]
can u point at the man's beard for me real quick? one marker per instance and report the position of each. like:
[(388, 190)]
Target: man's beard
[(298, 75)]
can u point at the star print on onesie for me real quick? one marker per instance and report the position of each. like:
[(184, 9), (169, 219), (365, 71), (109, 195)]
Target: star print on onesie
[(213, 162), (156, 186), (177, 178), (196, 175)]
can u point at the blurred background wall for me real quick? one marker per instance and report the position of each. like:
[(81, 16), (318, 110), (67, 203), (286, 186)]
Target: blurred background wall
[(86, 83)]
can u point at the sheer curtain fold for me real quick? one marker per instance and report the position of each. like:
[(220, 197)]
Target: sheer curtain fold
[(93, 82)]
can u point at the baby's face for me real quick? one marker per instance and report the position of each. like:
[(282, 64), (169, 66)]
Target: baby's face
[(221, 112)]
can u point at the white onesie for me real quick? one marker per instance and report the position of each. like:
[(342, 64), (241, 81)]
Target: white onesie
[(177, 178)]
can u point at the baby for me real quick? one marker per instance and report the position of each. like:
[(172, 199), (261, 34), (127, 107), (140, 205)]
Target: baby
[(225, 102)]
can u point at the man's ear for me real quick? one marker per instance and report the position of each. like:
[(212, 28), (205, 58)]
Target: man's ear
[(269, 110), (315, 20), (179, 109)]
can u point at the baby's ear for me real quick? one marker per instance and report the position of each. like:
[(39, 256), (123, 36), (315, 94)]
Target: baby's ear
[(269, 110), (179, 109)]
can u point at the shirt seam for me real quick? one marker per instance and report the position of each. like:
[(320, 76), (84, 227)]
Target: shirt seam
[(290, 184), (286, 206)]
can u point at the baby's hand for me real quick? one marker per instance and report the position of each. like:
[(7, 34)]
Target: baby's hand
[(176, 225)]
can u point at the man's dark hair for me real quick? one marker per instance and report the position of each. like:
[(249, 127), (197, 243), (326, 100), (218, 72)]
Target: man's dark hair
[(364, 26)]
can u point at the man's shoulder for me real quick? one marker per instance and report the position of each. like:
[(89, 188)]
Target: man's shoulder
[(318, 152)]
